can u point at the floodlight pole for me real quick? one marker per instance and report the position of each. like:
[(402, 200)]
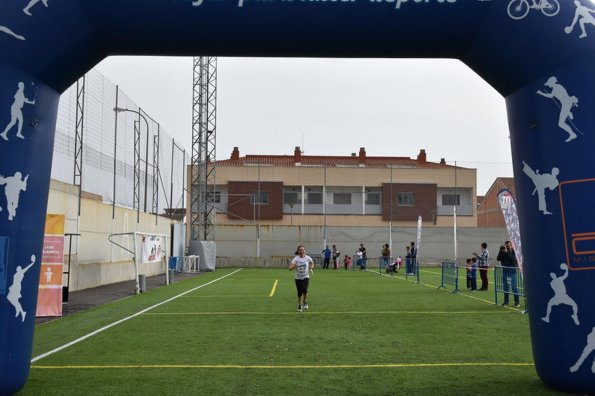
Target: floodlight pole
[(121, 110)]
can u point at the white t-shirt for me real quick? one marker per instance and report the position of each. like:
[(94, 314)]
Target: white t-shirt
[(302, 266)]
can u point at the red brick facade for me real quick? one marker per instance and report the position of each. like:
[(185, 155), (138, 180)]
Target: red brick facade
[(488, 212), (239, 200), (425, 196)]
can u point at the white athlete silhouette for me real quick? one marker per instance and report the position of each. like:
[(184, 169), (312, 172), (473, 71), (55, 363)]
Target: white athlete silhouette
[(6, 30), (48, 274), (16, 111), (14, 291), (564, 101), (32, 3), (14, 186), (588, 349), (582, 15), (560, 295), (542, 182)]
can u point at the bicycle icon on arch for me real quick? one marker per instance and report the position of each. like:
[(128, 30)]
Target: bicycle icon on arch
[(518, 9)]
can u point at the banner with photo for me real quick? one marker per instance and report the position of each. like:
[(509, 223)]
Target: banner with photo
[(151, 248), (49, 298), (506, 201)]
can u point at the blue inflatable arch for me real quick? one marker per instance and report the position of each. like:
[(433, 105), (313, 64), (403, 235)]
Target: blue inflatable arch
[(540, 55)]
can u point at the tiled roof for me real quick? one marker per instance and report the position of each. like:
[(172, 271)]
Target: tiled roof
[(331, 161)]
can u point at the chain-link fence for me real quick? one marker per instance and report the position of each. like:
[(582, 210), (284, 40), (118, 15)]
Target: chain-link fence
[(108, 151)]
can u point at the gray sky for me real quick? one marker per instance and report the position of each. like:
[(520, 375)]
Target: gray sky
[(332, 107)]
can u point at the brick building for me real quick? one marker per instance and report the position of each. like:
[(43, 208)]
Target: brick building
[(488, 211), (350, 190)]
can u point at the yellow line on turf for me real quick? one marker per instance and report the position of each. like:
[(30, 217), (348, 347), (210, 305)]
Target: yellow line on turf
[(297, 366), (274, 288), (310, 312)]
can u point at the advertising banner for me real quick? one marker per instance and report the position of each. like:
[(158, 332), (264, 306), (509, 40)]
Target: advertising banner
[(151, 248), (512, 223), (49, 298)]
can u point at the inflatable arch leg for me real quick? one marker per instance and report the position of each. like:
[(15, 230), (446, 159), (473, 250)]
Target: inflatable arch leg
[(26, 147), (552, 125), (552, 136)]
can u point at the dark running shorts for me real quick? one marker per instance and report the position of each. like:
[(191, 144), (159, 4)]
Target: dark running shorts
[(302, 286)]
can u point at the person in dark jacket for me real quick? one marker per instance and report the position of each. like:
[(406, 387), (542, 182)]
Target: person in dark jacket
[(507, 258)]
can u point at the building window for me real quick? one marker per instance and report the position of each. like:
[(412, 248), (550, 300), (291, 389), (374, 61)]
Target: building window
[(342, 199), (451, 199), (290, 198), (405, 199), (214, 198), (261, 198), (373, 198), (315, 198)]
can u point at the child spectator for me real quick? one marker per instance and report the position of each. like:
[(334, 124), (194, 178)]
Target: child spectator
[(398, 263), (468, 268), (347, 262), (474, 274)]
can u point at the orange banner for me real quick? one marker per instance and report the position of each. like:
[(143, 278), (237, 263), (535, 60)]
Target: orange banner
[(49, 299)]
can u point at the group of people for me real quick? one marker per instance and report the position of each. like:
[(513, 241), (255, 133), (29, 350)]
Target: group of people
[(327, 254), (393, 267), (304, 266), (478, 261), (335, 253), (507, 259)]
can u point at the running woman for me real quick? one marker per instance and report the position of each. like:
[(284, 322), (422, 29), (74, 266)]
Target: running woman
[(303, 265)]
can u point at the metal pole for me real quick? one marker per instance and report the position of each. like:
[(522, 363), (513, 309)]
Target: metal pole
[(115, 155), (171, 180), (258, 220), (324, 209), (146, 160), (119, 110), (390, 221)]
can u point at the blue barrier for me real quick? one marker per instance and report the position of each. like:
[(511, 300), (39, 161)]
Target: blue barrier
[(509, 281), (449, 275)]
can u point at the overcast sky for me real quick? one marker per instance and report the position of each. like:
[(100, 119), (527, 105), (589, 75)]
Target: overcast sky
[(332, 107)]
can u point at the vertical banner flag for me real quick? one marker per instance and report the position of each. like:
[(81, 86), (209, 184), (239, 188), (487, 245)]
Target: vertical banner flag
[(150, 248), (454, 229), (49, 298), (418, 241), (512, 223)]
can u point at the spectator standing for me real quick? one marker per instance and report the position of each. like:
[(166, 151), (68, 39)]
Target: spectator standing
[(327, 257), (483, 264), (336, 254), (468, 270), (413, 253), (362, 250), (386, 255), (474, 274), (507, 258), (359, 261), (347, 262)]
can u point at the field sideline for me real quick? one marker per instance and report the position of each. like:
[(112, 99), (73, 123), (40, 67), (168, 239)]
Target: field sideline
[(237, 331)]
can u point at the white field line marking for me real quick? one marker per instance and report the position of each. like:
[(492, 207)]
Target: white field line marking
[(274, 288), (71, 343)]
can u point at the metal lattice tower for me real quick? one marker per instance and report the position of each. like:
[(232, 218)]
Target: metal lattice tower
[(202, 170), (78, 138), (136, 182)]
